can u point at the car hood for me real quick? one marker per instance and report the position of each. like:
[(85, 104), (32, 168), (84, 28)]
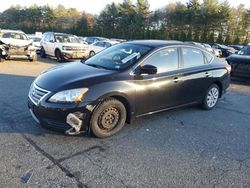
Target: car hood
[(69, 76), (16, 42), (239, 58)]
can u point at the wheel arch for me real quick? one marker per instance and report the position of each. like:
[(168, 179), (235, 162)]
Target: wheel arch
[(56, 50), (123, 99), (219, 84), (126, 104)]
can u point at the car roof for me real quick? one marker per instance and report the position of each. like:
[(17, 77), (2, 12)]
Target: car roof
[(11, 31), (111, 41), (157, 43), (56, 33)]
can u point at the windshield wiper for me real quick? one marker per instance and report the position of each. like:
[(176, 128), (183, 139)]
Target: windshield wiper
[(97, 66)]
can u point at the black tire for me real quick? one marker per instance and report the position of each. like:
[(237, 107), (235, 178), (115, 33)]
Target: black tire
[(2, 59), (108, 118), (42, 53), (34, 58), (92, 53), (211, 98), (59, 56)]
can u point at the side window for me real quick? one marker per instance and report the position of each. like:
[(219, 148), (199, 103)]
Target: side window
[(208, 57), (192, 57), (100, 44), (46, 37), (165, 60), (96, 44), (51, 38), (107, 45)]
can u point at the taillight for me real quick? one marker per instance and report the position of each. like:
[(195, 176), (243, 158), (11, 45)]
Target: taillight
[(229, 68)]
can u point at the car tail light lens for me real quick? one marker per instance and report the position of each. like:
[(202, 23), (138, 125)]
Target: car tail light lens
[(229, 68)]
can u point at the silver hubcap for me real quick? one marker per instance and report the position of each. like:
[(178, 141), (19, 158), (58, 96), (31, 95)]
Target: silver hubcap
[(212, 97)]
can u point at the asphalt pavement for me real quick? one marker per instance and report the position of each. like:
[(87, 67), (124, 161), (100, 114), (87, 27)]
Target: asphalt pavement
[(187, 147)]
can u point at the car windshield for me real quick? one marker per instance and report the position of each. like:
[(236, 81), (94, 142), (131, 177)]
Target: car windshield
[(14, 35), (118, 57), (245, 51), (223, 46), (66, 38), (35, 39)]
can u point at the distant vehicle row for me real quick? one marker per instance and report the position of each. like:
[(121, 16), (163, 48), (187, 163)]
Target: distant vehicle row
[(64, 46)]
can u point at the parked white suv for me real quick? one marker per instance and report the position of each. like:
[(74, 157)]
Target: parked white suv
[(62, 46)]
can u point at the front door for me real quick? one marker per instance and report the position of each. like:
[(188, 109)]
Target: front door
[(161, 90)]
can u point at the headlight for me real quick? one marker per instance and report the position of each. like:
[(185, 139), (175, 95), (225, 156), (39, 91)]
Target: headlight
[(31, 47), (67, 96), (67, 48)]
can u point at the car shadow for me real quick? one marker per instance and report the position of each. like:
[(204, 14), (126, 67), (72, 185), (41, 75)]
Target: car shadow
[(15, 116)]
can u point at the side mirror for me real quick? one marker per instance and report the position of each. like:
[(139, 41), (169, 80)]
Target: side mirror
[(147, 69), (51, 41)]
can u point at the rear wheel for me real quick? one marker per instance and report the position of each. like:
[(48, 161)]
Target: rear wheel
[(108, 118), (59, 56), (212, 97)]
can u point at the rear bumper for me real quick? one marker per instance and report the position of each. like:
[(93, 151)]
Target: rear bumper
[(54, 118)]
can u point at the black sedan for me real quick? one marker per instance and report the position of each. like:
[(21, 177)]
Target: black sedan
[(226, 51), (240, 62), (126, 81)]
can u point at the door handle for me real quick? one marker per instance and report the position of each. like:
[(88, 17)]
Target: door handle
[(176, 80), (207, 74)]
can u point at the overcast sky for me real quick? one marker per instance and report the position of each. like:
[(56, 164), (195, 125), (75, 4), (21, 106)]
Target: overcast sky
[(95, 6)]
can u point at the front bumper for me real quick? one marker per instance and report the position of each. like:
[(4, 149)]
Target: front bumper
[(74, 54), (53, 116)]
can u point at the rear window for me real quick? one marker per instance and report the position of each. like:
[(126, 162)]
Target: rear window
[(192, 57), (208, 57)]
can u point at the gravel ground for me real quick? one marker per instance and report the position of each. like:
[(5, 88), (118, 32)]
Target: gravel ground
[(187, 147)]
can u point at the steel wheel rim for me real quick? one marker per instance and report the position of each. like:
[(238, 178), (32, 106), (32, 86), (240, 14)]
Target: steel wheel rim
[(212, 97), (109, 119)]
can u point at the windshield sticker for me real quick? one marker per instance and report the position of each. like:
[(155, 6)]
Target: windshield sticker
[(117, 67), (128, 58)]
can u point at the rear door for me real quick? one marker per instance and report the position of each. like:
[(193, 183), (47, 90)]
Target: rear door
[(51, 44), (196, 74)]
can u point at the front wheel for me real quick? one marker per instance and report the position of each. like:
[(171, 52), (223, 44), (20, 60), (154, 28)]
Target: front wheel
[(59, 56), (211, 98), (92, 53), (2, 59), (42, 53), (33, 58), (108, 118)]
